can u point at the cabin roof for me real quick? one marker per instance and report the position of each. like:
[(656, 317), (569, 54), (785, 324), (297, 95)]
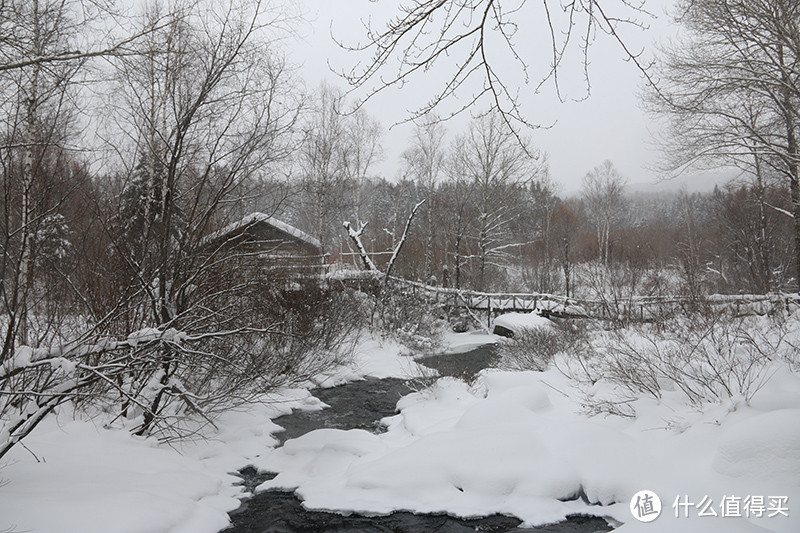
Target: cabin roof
[(254, 219)]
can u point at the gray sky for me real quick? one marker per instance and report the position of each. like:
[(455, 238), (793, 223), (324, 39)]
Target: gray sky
[(609, 124)]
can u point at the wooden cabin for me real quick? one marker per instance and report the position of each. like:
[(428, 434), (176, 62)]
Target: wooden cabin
[(271, 245)]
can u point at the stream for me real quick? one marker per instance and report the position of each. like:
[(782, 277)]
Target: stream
[(361, 405)]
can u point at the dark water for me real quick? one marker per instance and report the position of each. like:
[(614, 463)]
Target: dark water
[(462, 365), (361, 404), (354, 405)]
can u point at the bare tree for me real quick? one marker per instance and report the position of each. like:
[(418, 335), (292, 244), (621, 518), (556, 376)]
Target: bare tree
[(363, 149), (322, 164), (424, 161), (89, 30), (339, 149), (537, 265), (691, 246), (753, 241), (208, 106), (204, 107), (603, 190), (456, 193), (472, 45), (37, 111), (564, 226), (40, 67), (498, 168), (731, 90)]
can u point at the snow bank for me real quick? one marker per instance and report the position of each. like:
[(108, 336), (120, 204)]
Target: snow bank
[(464, 342), (764, 447), (378, 358), (95, 480), (515, 443), (518, 322), (89, 479), (499, 446), (512, 442), (85, 478)]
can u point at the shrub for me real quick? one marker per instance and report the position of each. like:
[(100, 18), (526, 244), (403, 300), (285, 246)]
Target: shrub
[(417, 327), (706, 358), (535, 348), (308, 331)]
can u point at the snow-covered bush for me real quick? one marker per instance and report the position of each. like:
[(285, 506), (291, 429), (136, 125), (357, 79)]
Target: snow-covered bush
[(305, 331), (418, 327), (702, 358), (34, 381), (169, 383), (535, 348)]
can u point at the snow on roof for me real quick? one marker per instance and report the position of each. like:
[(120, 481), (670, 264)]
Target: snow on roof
[(255, 218)]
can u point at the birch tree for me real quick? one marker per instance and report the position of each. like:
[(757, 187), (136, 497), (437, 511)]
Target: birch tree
[(323, 165), (46, 47), (603, 191), (34, 112), (362, 151), (497, 167), (424, 162)]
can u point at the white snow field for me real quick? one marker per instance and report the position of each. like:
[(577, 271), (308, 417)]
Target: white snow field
[(512, 442), (79, 477)]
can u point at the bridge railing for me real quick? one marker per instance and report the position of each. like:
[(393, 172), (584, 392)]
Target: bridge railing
[(636, 307)]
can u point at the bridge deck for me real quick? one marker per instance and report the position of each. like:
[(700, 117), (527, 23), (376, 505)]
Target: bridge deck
[(637, 307)]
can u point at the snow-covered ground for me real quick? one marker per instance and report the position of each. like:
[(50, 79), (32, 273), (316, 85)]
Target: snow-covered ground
[(79, 477), (464, 342), (519, 322), (512, 442)]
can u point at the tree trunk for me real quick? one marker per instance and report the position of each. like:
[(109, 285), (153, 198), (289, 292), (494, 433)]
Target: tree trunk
[(25, 266), (458, 260), (792, 157), (764, 262)]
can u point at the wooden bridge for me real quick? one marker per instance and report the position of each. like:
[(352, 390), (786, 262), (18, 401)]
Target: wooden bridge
[(641, 308)]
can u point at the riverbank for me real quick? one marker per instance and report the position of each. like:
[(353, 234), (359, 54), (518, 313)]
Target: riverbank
[(508, 443), (80, 476), (366, 405)]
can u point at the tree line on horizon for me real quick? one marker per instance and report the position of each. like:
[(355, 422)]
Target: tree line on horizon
[(488, 226)]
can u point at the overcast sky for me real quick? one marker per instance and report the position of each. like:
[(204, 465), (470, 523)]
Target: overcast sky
[(609, 124)]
